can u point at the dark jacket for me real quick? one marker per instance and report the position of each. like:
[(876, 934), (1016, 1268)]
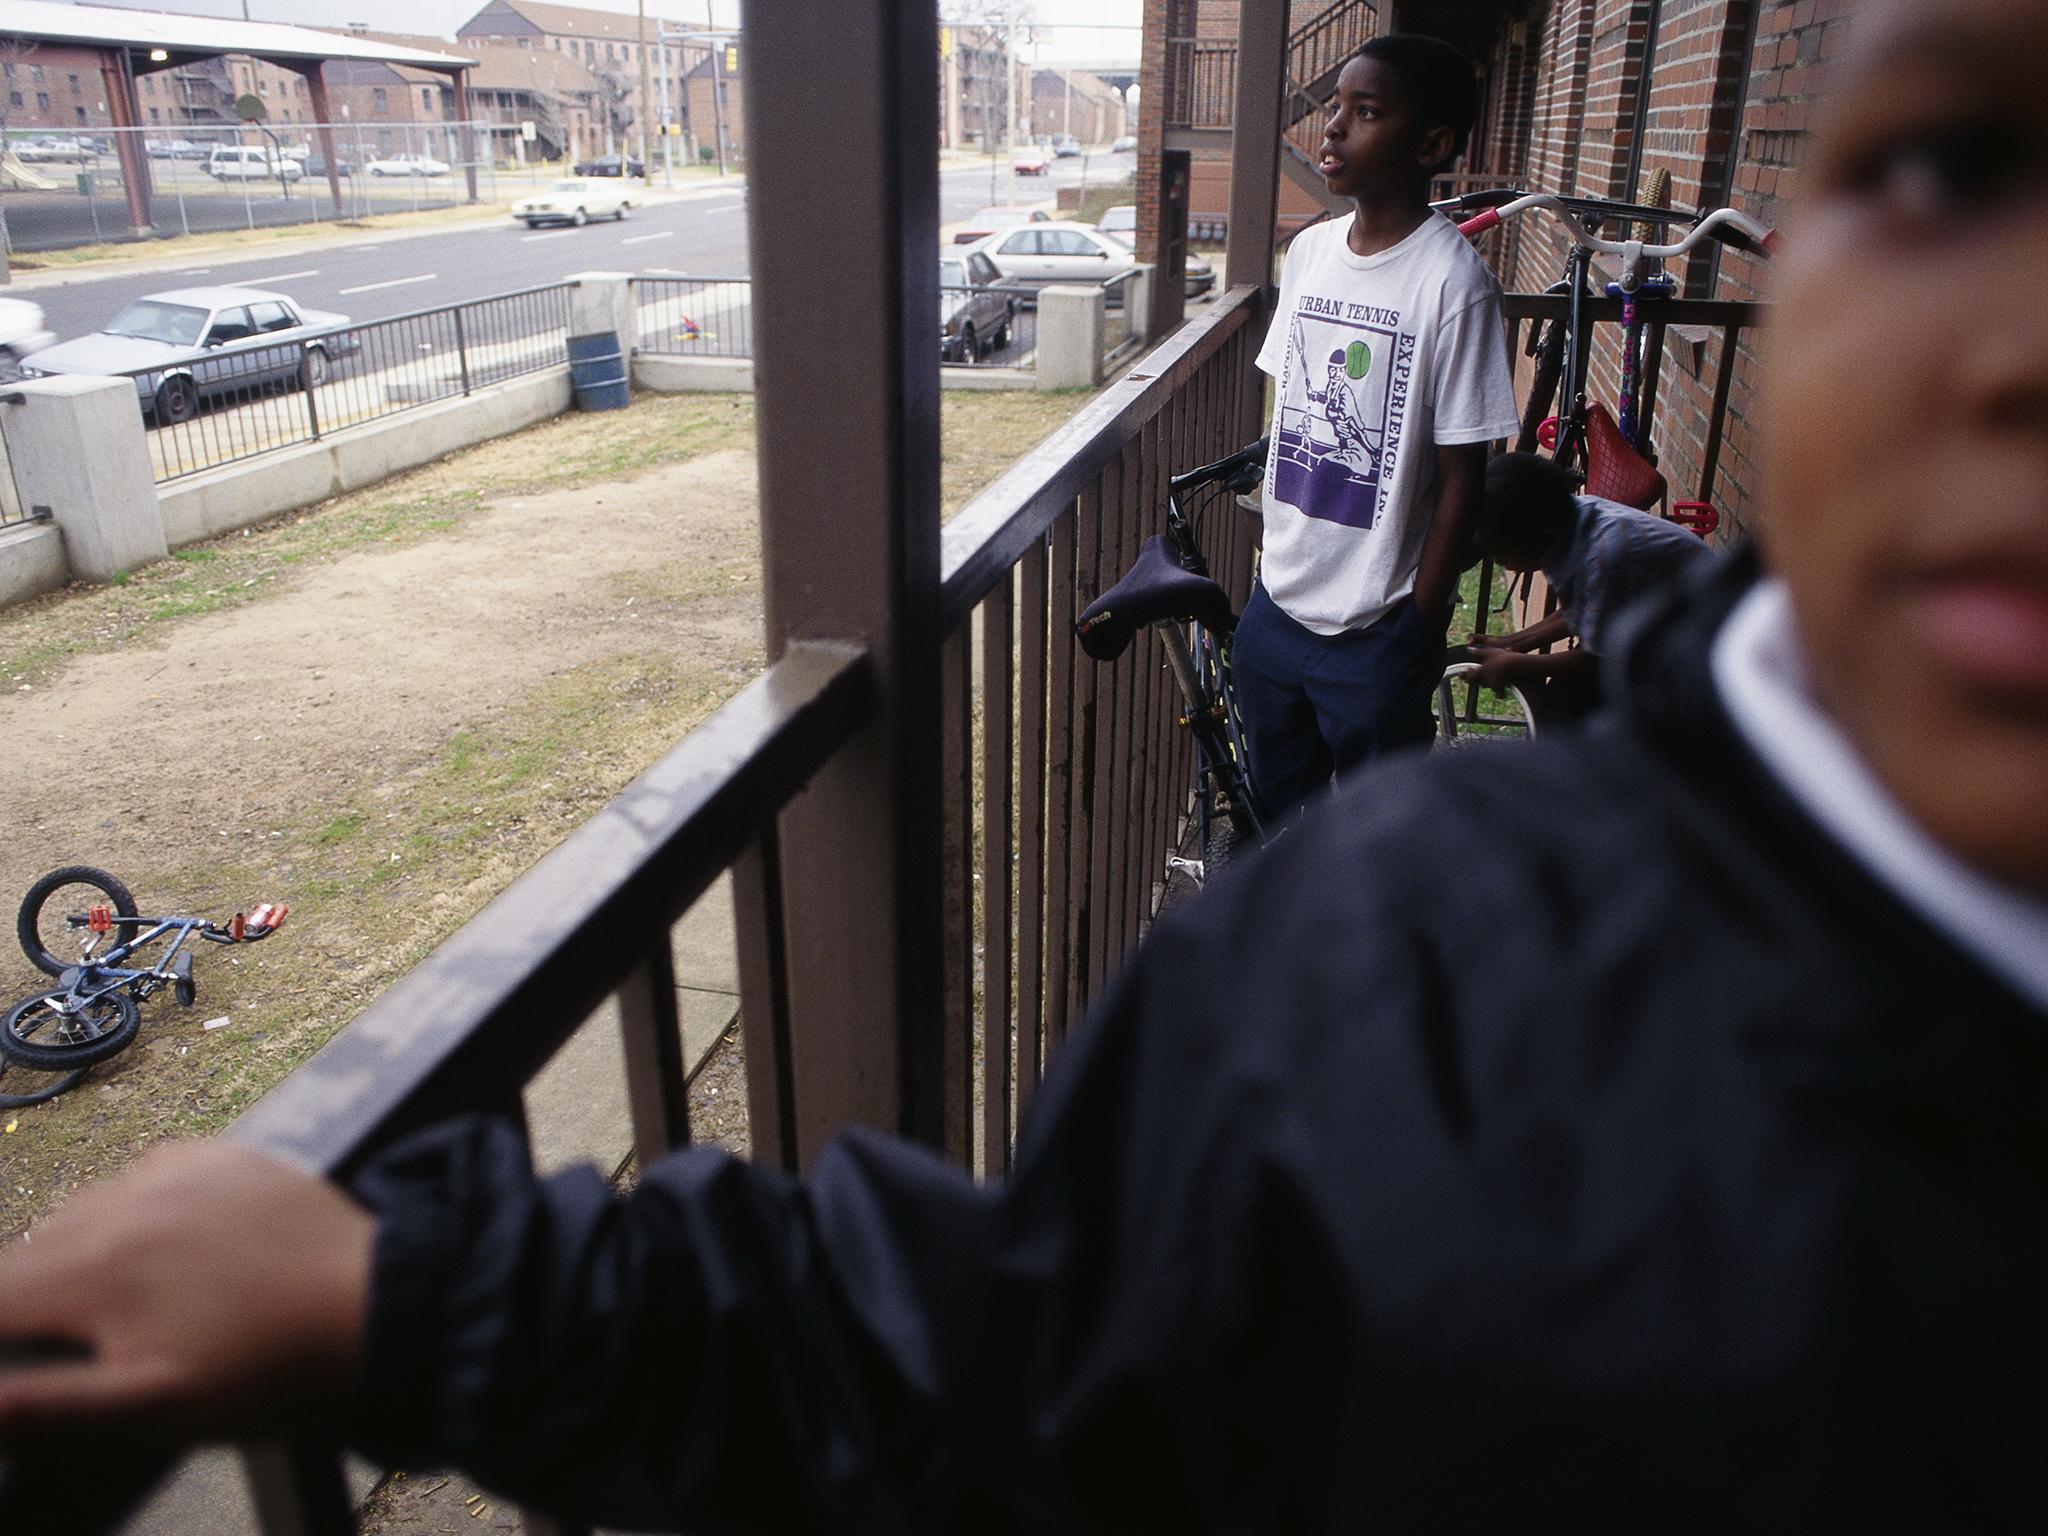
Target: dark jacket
[(1561, 1136)]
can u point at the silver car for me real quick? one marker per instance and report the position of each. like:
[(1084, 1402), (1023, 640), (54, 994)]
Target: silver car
[(192, 344), (974, 314)]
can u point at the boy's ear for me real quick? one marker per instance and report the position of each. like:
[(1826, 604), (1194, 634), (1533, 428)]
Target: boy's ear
[(1437, 149)]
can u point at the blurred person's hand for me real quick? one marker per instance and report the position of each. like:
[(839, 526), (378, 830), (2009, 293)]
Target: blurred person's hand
[(208, 1292)]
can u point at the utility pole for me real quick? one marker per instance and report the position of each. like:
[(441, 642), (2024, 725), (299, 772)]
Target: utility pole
[(646, 105)]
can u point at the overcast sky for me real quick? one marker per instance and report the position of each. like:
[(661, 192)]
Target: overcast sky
[(1102, 31)]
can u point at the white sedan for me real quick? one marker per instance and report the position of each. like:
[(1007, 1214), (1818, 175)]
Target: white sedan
[(575, 200), (1033, 255), (407, 165)]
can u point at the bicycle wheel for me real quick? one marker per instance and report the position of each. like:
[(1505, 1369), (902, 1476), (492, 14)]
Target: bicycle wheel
[(46, 938), (21, 1087), (38, 1033), (1453, 732), (1221, 844)]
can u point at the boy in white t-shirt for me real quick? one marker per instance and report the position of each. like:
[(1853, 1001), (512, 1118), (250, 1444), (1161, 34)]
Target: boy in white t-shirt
[(1392, 377)]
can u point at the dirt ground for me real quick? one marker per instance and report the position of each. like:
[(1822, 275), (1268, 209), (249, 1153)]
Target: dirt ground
[(380, 711)]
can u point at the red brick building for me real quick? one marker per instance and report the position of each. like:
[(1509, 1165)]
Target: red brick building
[(1595, 97)]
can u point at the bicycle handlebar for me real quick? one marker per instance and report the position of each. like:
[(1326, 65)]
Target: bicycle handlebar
[(1250, 456), (1728, 225)]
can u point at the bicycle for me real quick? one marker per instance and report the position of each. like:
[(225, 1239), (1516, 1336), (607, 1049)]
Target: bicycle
[(94, 1011), (1612, 450), (1168, 588)]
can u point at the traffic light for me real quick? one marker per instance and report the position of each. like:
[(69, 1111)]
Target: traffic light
[(732, 59)]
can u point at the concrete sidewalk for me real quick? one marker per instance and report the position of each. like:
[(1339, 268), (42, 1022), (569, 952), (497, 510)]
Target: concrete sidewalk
[(577, 1112)]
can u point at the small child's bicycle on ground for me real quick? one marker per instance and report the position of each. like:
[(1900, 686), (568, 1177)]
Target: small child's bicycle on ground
[(94, 1011)]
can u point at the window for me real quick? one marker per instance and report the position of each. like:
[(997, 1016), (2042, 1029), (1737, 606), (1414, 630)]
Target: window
[(43, 100), (983, 269), (426, 100), (155, 116), (229, 325), (74, 83), (9, 69), (14, 98), (148, 82), (1067, 242), (380, 101), (1022, 243), (272, 316), (35, 73), (79, 114)]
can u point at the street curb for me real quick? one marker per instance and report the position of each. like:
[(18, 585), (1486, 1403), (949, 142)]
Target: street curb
[(173, 260)]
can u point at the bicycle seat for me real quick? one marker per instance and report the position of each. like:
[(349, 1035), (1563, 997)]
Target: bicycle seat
[(1614, 469), (1155, 588)]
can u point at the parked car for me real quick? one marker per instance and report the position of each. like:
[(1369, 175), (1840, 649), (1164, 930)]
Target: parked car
[(21, 334), (187, 344), (176, 149), (405, 165), (231, 162), (1031, 161), (988, 220), (974, 312), (1065, 146), (1123, 146), (575, 200), (1055, 252), (1121, 225), (612, 165), (316, 165), (71, 151)]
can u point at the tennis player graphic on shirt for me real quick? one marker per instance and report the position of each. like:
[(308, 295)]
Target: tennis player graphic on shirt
[(1333, 420)]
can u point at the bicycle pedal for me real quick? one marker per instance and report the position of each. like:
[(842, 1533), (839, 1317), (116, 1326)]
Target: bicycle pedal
[(1195, 869)]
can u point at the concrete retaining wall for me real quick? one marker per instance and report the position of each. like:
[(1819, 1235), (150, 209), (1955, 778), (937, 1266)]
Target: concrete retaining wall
[(667, 375), (31, 562), (235, 496)]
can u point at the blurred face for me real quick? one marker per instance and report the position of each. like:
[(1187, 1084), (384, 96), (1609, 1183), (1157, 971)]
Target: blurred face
[(1905, 417)]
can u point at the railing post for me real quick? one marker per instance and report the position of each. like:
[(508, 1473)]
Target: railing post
[(461, 348), (307, 389), (1255, 141), (848, 463)]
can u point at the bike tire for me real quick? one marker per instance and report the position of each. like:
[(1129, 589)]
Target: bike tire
[(1542, 386), (1222, 843), (44, 1087), (28, 920), (32, 1015)]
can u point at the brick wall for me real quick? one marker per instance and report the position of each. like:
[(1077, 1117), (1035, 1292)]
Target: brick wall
[(1724, 88)]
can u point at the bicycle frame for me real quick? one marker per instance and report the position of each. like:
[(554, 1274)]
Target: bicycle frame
[(98, 976), (1200, 661)]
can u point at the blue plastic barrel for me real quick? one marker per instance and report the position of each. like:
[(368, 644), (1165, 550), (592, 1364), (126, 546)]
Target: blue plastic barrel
[(598, 370)]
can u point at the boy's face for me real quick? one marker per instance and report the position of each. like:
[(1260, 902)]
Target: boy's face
[(1375, 148), (1518, 546), (1905, 417)]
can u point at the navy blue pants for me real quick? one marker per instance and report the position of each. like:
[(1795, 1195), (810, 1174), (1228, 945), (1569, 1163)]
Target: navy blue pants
[(1315, 706)]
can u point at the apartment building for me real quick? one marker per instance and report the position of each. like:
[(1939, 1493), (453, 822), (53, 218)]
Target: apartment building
[(607, 44)]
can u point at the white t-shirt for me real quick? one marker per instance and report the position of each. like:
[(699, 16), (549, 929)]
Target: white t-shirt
[(1379, 359)]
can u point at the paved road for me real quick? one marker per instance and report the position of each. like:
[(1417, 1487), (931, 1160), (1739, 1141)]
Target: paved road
[(700, 234)]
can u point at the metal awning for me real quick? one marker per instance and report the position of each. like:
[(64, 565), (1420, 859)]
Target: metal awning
[(98, 26)]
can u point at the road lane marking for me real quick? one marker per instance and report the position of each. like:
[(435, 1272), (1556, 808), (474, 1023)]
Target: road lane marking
[(659, 234), (195, 271), (738, 208), (553, 234), (396, 282), (283, 277)]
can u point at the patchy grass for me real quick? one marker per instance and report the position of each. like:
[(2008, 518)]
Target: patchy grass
[(380, 865)]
